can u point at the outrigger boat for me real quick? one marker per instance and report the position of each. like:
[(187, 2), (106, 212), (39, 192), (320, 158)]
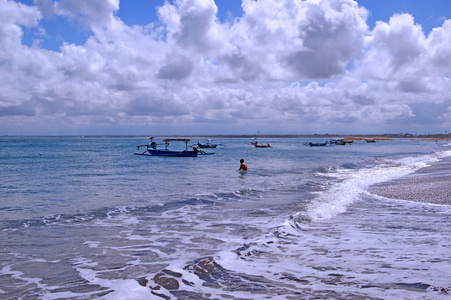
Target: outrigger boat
[(257, 144), (260, 145), (318, 144), (208, 144), (337, 142), (153, 151)]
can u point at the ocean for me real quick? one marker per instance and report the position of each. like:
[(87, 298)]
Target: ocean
[(85, 218)]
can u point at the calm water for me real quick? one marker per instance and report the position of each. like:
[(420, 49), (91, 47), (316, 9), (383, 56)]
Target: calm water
[(84, 218)]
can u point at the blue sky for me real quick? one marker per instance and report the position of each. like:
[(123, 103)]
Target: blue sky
[(428, 13), (224, 67), (131, 12)]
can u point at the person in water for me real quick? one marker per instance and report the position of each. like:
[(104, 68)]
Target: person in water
[(243, 166)]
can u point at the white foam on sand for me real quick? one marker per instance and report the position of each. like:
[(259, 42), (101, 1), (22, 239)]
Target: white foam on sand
[(340, 195), (381, 249)]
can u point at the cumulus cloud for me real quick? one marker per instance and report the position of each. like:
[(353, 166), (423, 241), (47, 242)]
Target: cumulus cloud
[(90, 14), (311, 65), (178, 67), (397, 46), (331, 37)]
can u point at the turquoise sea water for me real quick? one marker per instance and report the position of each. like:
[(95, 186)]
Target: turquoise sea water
[(84, 218)]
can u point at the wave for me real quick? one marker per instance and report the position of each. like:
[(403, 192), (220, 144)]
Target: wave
[(352, 183), (158, 207)]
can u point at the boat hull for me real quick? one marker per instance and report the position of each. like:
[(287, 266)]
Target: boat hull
[(318, 144), (154, 152)]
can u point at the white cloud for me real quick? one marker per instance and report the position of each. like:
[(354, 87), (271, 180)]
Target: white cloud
[(394, 48), (178, 67), (309, 64), (439, 56), (91, 14)]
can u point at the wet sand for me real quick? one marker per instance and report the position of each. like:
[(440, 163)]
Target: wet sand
[(428, 185)]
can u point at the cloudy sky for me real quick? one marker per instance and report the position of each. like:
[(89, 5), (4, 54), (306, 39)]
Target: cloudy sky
[(141, 67)]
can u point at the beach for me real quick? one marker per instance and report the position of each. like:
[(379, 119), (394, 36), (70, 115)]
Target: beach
[(431, 184)]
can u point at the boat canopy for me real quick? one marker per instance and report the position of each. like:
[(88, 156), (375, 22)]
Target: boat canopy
[(176, 140), (166, 142)]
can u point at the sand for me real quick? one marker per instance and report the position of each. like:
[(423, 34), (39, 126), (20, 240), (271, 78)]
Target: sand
[(441, 139), (428, 185)]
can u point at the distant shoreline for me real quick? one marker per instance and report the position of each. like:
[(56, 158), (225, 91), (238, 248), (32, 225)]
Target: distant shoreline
[(379, 137)]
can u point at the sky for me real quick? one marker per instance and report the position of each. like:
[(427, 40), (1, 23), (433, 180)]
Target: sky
[(204, 67)]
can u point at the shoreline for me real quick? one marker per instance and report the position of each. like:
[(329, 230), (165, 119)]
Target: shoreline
[(426, 185), (357, 137)]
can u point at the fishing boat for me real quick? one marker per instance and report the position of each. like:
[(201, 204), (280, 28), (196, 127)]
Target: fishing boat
[(208, 144), (260, 145), (318, 144), (257, 144), (370, 140), (337, 142), (153, 151)]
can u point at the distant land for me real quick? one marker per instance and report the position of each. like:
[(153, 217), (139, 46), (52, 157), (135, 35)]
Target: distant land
[(386, 136)]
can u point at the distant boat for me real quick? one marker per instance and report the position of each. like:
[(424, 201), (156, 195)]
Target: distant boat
[(257, 144), (209, 144), (318, 144), (260, 145), (370, 140), (337, 142)]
